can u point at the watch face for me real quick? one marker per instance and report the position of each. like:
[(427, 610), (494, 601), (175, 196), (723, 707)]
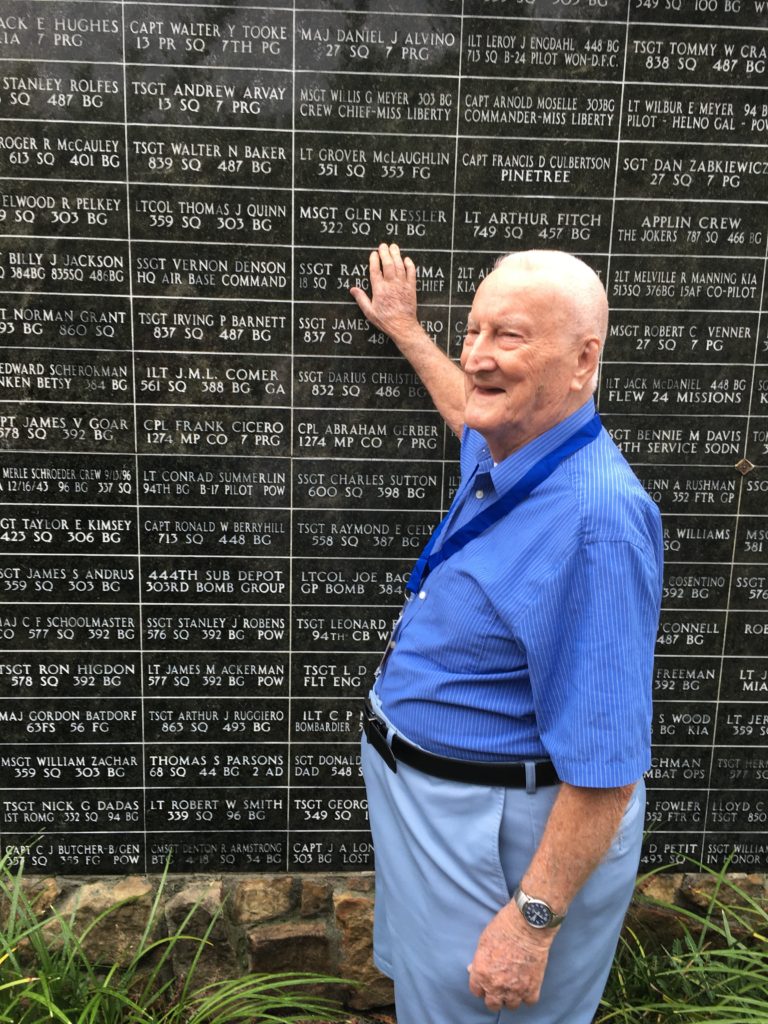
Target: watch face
[(537, 914)]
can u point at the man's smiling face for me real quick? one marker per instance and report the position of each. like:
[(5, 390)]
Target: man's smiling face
[(526, 363)]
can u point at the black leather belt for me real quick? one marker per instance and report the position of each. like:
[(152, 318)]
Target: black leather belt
[(482, 773)]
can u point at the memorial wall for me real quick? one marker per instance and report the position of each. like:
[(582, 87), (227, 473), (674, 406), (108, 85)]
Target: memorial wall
[(215, 476)]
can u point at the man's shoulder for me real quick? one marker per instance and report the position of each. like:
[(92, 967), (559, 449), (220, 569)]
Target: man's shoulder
[(612, 503)]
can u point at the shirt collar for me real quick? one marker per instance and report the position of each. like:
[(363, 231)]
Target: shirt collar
[(507, 472)]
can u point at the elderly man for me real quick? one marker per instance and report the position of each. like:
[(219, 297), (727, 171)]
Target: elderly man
[(509, 725)]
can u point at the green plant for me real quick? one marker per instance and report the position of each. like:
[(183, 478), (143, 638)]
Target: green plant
[(47, 976), (716, 972)]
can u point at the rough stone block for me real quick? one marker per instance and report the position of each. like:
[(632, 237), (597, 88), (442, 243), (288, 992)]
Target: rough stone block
[(255, 900), (292, 946), (315, 897), (116, 937), (196, 910), (354, 918), (699, 890), (40, 893), (301, 946)]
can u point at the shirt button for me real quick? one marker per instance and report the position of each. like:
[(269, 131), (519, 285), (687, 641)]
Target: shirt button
[(392, 645), (479, 494), (422, 594)]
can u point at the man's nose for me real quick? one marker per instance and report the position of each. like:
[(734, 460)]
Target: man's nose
[(479, 355)]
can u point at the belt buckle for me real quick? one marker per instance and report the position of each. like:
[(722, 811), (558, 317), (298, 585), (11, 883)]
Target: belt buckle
[(376, 733)]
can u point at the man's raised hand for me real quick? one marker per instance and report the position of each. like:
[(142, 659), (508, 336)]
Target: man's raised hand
[(392, 304)]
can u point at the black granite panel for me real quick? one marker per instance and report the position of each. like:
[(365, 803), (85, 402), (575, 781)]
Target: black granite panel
[(573, 168), (696, 489), (419, 435), (673, 441), (748, 633), (88, 764), (76, 811), (325, 485), (715, 116), (326, 765), (221, 531), (740, 765), (229, 97), (204, 673), (83, 152), (33, 30), (227, 431), (212, 627), (49, 208), (342, 629), (64, 674), (695, 53), (340, 103), (51, 90), (347, 163), (34, 265), (215, 475), (679, 676), (564, 50), (210, 38), (688, 171), (744, 679), (97, 322), (204, 156), (75, 854), (682, 336), (742, 850), (59, 578), (605, 11), (244, 850), (382, 41), (347, 851), (711, 12), (316, 675), (231, 481), (682, 809), (354, 217)]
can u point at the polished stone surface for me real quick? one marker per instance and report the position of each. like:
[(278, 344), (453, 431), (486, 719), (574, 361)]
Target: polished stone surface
[(214, 475)]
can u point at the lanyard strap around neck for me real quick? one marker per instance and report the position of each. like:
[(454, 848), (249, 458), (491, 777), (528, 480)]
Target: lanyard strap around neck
[(511, 498)]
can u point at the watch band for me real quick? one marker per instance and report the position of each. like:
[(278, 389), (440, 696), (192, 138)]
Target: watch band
[(537, 913)]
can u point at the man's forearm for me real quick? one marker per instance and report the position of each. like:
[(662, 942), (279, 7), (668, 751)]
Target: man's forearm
[(442, 378), (579, 831)]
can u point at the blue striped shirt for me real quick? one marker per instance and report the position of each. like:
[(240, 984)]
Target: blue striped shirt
[(536, 639)]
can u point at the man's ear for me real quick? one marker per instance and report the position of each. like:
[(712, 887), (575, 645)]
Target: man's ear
[(587, 363)]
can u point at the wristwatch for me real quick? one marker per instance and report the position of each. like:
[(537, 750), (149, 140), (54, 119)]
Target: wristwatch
[(537, 913)]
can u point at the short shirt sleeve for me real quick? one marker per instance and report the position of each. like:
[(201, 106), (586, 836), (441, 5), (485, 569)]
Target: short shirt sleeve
[(589, 639)]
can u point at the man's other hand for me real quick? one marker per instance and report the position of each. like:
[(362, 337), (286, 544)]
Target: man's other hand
[(510, 960)]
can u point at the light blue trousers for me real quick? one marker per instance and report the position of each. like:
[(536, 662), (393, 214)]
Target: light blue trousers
[(448, 857)]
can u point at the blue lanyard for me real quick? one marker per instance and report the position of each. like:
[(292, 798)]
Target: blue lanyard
[(483, 520)]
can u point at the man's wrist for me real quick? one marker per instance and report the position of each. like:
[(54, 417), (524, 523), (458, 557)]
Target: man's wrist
[(536, 912), (411, 335)]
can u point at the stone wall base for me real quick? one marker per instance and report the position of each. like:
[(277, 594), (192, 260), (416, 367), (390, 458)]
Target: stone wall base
[(264, 924), (653, 917), (300, 922)]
